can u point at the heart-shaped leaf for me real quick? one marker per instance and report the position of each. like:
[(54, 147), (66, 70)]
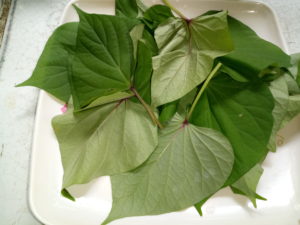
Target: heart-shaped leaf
[(189, 164), (187, 53), (103, 63), (104, 140)]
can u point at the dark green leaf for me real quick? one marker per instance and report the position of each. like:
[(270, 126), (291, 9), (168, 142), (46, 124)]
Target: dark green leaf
[(168, 111), (103, 62), (233, 74), (252, 54), (199, 205), (67, 195), (243, 113), (53, 68), (143, 72), (126, 8), (156, 15)]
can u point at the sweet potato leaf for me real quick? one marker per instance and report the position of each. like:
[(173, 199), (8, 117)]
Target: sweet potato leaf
[(280, 92), (136, 34), (252, 54), (54, 66), (108, 99), (155, 15), (144, 49), (243, 113), (247, 184), (130, 8), (168, 111), (187, 52), (189, 164), (126, 8), (143, 72), (295, 68), (103, 62), (286, 93), (104, 140)]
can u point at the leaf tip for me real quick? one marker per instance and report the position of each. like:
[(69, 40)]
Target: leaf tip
[(79, 11), (65, 193)]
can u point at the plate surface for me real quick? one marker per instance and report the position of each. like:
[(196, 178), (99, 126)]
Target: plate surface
[(280, 183)]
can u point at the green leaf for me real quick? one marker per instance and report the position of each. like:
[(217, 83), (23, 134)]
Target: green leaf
[(189, 164), (108, 99), (252, 54), (233, 74), (187, 53), (168, 111), (199, 205), (186, 102), (292, 85), (53, 68), (247, 184), (144, 48), (104, 140), (136, 34), (176, 74), (143, 72), (141, 6), (280, 92), (103, 62), (67, 195), (156, 15), (293, 108), (126, 8), (295, 68), (243, 113), (287, 104)]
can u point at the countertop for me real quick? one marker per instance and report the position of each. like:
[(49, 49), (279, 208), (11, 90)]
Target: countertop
[(30, 24)]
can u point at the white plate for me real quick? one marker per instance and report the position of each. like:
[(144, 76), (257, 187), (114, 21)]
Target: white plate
[(280, 183)]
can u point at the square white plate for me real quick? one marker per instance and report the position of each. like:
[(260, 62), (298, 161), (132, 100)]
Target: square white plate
[(280, 183)]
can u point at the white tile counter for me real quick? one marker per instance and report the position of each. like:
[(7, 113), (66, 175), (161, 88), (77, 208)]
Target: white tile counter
[(31, 23)]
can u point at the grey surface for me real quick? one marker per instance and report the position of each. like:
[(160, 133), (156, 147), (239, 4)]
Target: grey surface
[(32, 21)]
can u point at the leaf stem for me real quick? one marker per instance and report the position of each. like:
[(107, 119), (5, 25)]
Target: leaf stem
[(147, 107), (210, 76), (167, 3)]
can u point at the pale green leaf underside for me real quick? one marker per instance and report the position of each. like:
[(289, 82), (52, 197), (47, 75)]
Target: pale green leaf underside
[(189, 164), (105, 140), (295, 68), (280, 92), (293, 108), (177, 73), (108, 99), (247, 184), (287, 105), (187, 53)]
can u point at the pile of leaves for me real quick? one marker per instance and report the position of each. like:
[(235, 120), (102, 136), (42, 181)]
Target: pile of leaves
[(173, 109)]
